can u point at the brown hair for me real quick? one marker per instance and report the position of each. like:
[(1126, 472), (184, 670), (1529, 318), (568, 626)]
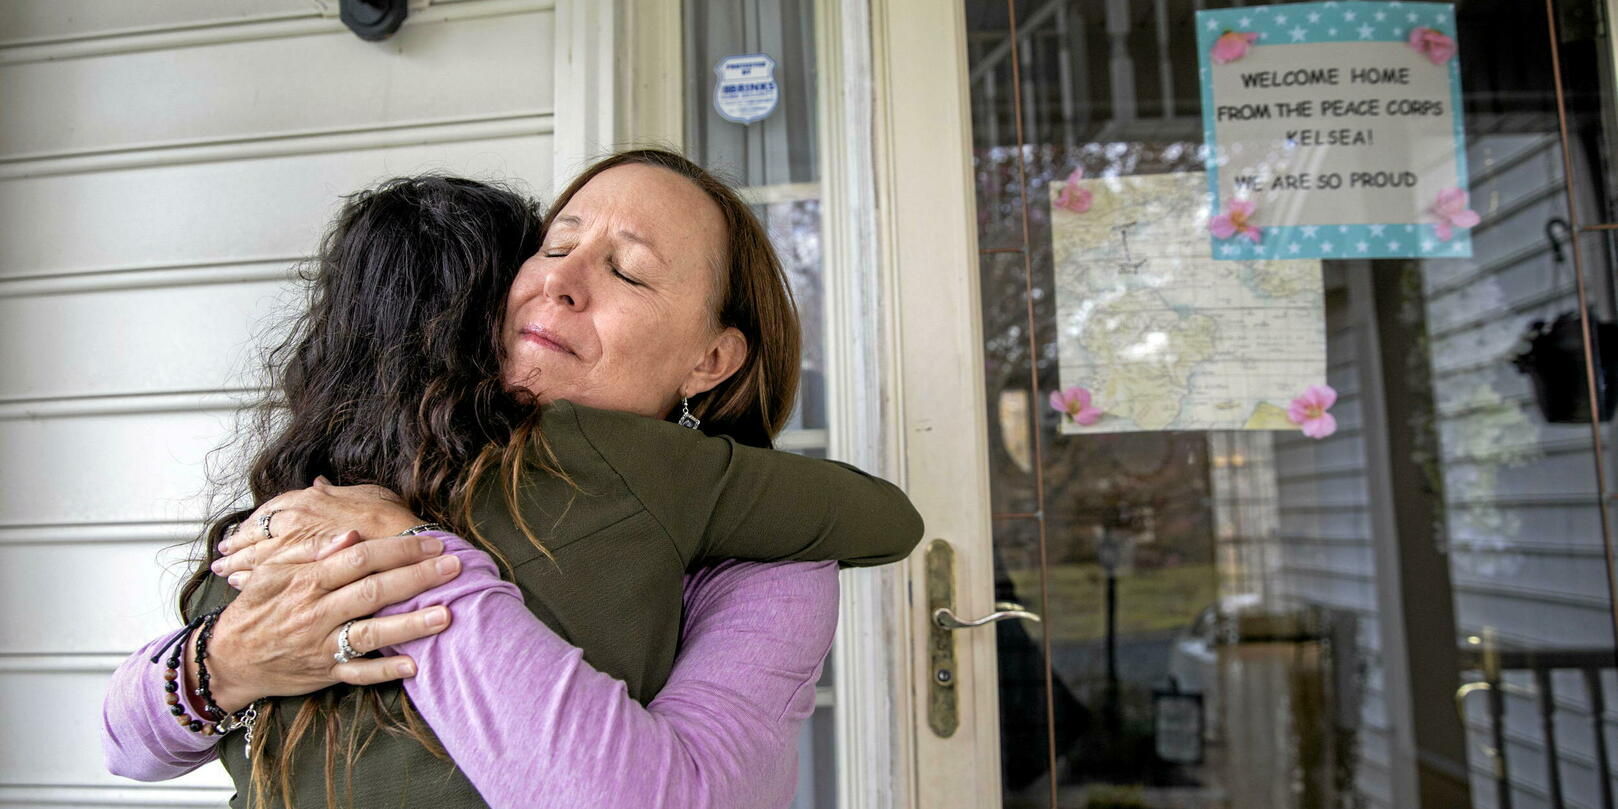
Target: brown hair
[(392, 377)]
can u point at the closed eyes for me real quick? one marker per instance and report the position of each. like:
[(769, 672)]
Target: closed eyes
[(612, 264), (619, 271)]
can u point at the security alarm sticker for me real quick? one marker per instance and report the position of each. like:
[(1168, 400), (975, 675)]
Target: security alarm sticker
[(746, 90)]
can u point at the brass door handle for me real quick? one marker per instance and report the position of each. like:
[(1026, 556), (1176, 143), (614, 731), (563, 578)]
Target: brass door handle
[(944, 618), (943, 705), (1467, 690)]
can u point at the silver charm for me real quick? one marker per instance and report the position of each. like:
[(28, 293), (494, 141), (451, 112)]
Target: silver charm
[(249, 721), (686, 419), (244, 718)]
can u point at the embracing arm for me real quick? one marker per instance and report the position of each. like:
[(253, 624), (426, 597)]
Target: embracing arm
[(740, 502), (139, 737), (720, 735), (273, 639), (722, 732)]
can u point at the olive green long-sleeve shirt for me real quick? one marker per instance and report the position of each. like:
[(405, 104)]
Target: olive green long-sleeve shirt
[(649, 501)]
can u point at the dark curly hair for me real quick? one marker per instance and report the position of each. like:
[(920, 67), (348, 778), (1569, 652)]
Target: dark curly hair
[(391, 376)]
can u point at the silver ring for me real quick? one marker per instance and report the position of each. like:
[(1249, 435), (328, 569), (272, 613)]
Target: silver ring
[(264, 523), (344, 651)]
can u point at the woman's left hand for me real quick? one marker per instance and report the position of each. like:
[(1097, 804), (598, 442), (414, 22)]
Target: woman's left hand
[(313, 517)]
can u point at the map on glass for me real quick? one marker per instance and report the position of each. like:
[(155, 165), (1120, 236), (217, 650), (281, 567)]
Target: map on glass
[(1159, 335)]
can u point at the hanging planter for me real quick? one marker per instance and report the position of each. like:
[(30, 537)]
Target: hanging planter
[(1554, 360)]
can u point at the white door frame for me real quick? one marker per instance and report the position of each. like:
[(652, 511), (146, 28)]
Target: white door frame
[(928, 230), (872, 705), (587, 70), (630, 53), (899, 206)]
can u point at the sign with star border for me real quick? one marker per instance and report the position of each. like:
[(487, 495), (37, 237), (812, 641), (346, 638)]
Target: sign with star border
[(1334, 130)]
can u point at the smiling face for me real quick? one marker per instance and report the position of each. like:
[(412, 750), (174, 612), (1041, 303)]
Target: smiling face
[(615, 311)]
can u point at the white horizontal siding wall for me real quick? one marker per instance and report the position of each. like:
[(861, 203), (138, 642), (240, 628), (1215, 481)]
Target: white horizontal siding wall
[(162, 168), (1523, 533), (1526, 553)]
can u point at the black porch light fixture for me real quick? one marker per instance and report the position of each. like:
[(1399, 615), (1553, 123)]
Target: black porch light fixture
[(373, 20)]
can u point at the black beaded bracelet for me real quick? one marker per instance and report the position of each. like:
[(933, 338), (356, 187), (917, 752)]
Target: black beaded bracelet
[(215, 720), (209, 707)]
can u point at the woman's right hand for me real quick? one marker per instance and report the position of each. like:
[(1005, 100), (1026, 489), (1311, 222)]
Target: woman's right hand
[(278, 637), (311, 516)]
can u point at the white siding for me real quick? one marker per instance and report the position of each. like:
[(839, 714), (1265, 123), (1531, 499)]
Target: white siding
[(162, 167), (1522, 529), (1526, 555)]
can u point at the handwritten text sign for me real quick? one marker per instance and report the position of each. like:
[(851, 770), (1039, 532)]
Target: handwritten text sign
[(1334, 131)]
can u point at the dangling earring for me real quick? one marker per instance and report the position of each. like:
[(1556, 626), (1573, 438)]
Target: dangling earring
[(686, 419)]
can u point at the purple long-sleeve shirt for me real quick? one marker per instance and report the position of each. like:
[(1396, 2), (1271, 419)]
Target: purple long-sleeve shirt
[(721, 733)]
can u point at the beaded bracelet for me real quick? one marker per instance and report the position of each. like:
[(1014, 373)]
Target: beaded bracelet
[(426, 526), (215, 719)]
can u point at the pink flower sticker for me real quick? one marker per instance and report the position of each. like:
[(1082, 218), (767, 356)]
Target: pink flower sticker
[(1309, 411), (1236, 220), (1451, 212), (1072, 197), (1075, 404), (1437, 46), (1232, 45)]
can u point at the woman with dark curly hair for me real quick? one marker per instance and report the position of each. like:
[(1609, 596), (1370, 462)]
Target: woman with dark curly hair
[(544, 437)]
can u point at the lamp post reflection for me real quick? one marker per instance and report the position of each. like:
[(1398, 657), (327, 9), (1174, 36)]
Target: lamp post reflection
[(1110, 554)]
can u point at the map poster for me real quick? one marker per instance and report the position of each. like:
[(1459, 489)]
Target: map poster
[(1334, 130), (1156, 335)]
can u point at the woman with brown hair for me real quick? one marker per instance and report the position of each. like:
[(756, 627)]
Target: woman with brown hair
[(653, 285)]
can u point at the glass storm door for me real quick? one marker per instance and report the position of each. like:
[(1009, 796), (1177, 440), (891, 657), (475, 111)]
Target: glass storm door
[(1413, 610)]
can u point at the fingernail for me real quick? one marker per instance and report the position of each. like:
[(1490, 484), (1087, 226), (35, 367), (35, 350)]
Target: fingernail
[(338, 538), (217, 565), (448, 564), (431, 544), (406, 669), (237, 578), (437, 618), (224, 546)]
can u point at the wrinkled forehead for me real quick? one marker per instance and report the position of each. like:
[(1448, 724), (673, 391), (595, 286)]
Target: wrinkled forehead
[(652, 207), (657, 207)]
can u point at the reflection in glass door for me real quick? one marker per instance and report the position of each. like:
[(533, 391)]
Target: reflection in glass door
[(1263, 619)]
